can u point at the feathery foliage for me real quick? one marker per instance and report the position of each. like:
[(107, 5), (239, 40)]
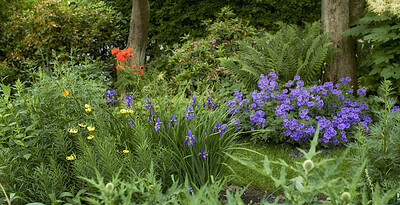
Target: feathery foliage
[(289, 52)]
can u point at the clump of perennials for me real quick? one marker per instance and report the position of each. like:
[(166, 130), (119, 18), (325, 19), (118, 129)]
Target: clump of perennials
[(299, 110)]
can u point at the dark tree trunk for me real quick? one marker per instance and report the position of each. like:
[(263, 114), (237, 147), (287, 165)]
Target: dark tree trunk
[(336, 16), (138, 31)]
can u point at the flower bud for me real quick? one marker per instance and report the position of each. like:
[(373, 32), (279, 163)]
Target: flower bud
[(308, 165), (110, 186), (346, 197)]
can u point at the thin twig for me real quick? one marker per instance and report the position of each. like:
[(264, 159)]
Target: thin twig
[(8, 201)]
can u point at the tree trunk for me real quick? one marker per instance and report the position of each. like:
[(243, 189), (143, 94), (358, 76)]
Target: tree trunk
[(336, 16), (138, 31)]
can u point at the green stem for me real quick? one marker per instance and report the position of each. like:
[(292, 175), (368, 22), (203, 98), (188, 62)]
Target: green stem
[(4, 192)]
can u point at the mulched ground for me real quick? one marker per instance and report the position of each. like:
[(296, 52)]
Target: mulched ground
[(254, 196)]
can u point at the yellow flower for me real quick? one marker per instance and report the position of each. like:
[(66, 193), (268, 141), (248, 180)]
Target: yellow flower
[(130, 111), (82, 125), (87, 106), (65, 93), (88, 109), (71, 158), (123, 111), (72, 131), (125, 151), (90, 137), (90, 128)]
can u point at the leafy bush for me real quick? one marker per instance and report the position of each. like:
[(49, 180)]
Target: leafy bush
[(195, 64), (292, 112), (379, 49), (30, 35), (292, 51)]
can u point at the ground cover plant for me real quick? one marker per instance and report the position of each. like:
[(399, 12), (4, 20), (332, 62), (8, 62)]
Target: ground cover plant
[(188, 130)]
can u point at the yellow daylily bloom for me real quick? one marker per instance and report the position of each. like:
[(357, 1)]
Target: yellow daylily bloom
[(88, 109), (87, 106), (90, 128), (71, 158), (123, 111), (90, 137), (130, 111), (72, 131), (82, 125), (125, 151)]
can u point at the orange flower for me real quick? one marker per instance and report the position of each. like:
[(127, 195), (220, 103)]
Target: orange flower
[(129, 50), (118, 67), (65, 93), (120, 57), (140, 71), (114, 51), (134, 66), (131, 56), (142, 67)]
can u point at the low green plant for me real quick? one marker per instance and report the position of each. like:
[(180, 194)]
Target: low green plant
[(380, 145), (317, 177), (148, 190)]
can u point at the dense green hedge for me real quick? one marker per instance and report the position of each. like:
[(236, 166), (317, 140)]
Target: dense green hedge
[(30, 36), (171, 19)]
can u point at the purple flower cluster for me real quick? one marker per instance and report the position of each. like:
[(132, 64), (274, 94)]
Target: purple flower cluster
[(190, 138), (172, 122), (203, 154), (111, 95), (209, 103), (220, 128), (395, 109), (189, 113), (232, 105), (129, 98), (301, 110)]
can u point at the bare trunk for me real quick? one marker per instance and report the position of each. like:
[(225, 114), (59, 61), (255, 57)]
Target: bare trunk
[(138, 31), (336, 17)]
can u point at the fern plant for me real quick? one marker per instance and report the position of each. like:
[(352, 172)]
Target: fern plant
[(289, 52)]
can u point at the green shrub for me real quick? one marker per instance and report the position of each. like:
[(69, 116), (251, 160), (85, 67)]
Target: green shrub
[(30, 36), (170, 20), (194, 63), (379, 53)]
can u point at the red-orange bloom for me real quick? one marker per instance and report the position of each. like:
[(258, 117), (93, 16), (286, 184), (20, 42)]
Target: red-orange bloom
[(131, 56), (114, 51), (120, 57), (134, 66), (142, 67), (118, 67), (129, 50), (140, 71)]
